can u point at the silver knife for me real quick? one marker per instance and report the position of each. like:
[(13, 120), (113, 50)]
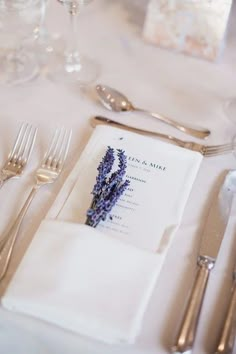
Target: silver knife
[(209, 248), (227, 337)]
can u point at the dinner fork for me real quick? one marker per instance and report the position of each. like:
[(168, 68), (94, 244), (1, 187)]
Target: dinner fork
[(205, 150), (49, 170), (20, 153)]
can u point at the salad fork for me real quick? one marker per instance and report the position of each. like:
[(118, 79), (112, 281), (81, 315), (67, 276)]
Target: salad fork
[(47, 173), (20, 153)]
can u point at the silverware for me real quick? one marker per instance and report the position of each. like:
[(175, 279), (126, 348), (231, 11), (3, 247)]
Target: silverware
[(47, 173), (206, 150), (20, 153), (209, 248), (116, 101), (227, 337)]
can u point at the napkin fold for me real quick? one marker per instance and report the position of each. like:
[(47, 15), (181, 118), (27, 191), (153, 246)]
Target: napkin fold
[(85, 281)]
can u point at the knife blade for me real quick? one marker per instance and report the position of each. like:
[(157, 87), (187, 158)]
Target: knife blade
[(212, 237), (227, 336)]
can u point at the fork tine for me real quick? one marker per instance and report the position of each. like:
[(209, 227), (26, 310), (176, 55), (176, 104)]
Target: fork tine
[(219, 147), (18, 140), (211, 151), (223, 148), (29, 144), (64, 149), (58, 145), (21, 148), (58, 149), (51, 147)]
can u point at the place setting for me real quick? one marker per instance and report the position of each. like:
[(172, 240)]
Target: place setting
[(99, 255), (84, 241)]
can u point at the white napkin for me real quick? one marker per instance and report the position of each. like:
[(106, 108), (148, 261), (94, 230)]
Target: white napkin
[(98, 282), (80, 279)]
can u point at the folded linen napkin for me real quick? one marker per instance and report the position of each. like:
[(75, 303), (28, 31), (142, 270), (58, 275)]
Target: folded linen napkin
[(83, 280), (98, 282)]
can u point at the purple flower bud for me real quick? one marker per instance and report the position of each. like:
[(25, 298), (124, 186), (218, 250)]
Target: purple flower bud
[(107, 189), (104, 169)]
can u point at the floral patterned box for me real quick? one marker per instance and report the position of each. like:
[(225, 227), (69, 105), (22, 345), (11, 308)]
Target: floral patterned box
[(193, 27)]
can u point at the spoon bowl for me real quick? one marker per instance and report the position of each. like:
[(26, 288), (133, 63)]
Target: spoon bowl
[(113, 99)]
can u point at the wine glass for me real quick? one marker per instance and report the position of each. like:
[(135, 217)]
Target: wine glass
[(71, 66), (18, 18), (45, 42)]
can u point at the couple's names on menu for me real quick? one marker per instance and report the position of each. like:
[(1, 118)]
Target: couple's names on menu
[(138, 173)]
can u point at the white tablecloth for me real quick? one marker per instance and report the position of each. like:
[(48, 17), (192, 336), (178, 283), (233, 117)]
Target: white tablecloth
[(184, 88)]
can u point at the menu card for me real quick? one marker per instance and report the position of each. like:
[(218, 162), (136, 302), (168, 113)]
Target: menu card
[(161, 177)]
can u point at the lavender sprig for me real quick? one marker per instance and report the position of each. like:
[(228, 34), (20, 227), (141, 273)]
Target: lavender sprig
[(108, 187), (104, 169)]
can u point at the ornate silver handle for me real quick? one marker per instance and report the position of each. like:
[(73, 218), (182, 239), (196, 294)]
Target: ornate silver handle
[(200, 133), (186, 336), (8, 240), (227, 338)]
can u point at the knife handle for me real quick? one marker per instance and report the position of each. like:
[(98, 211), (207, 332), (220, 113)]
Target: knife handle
[(186, 335), (227, 338)]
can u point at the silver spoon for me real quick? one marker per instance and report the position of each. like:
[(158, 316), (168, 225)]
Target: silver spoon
[(116, 101)]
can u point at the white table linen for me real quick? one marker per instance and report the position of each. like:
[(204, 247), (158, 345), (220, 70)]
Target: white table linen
[(184, 88)]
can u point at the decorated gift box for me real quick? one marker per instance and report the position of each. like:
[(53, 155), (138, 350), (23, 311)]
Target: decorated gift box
[(193, 27)]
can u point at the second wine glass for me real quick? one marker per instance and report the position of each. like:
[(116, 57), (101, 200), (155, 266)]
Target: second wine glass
[(71, 66), (18, 19)]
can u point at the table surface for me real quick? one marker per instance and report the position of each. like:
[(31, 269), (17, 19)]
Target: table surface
[(187, 89)]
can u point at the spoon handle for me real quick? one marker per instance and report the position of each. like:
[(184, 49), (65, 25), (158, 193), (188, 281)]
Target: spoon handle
[(201, 133)]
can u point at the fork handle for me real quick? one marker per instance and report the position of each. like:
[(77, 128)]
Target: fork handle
[(8, 240)]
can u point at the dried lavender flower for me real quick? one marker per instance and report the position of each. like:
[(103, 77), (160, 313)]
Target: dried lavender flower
[(108, 187), (104, 169)]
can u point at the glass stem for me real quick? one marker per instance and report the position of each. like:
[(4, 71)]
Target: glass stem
[(42, 18), (39, 31), (73, 59)]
